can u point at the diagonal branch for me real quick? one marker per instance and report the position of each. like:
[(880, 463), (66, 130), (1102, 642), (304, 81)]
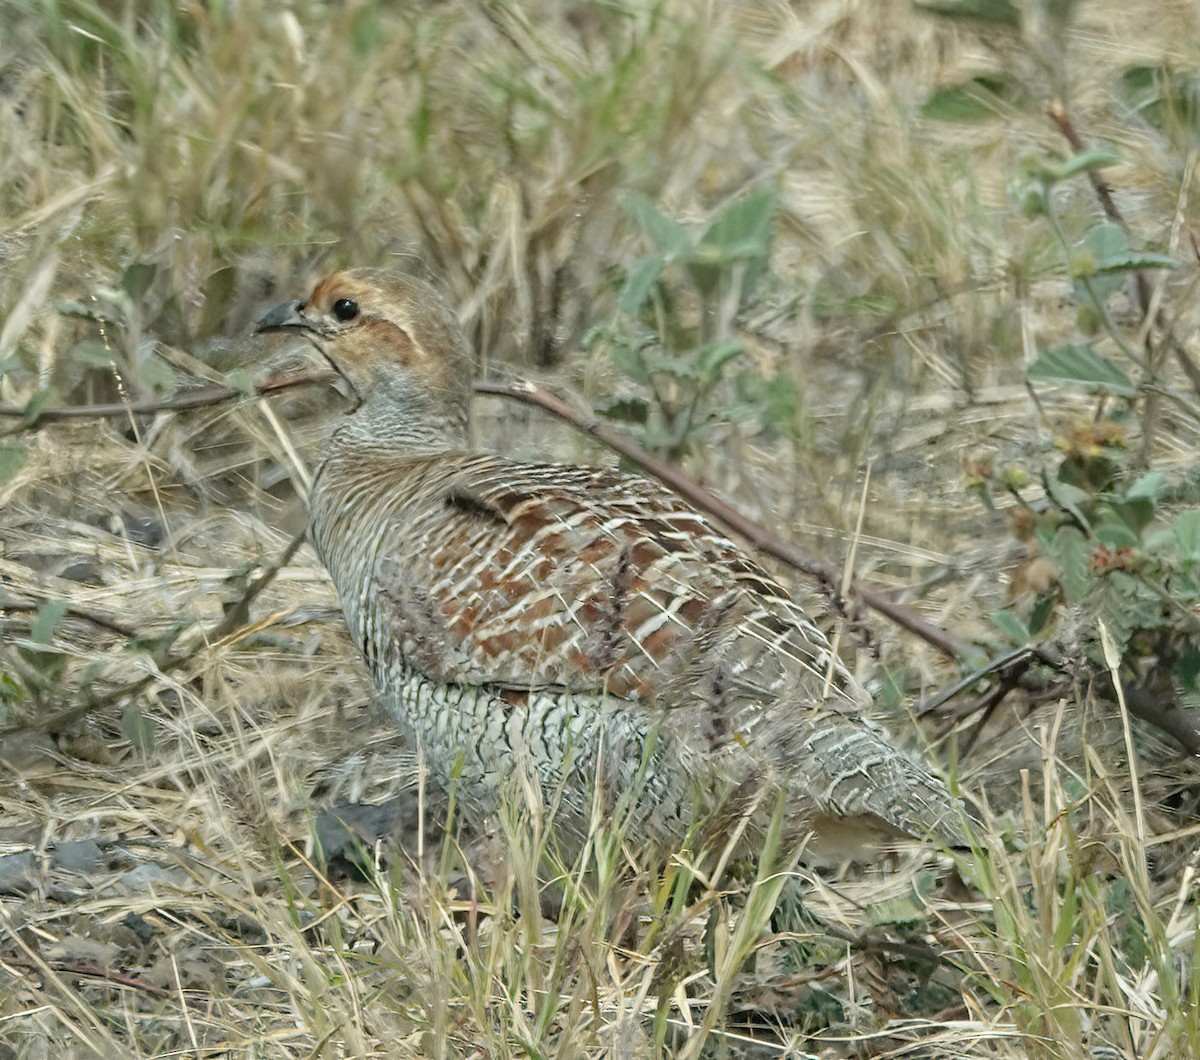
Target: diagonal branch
[(200, 398), (236, 617), (527, 393), (825, 572)]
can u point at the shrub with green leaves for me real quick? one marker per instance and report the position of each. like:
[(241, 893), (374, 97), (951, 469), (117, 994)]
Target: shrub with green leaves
[(675, 336), (1124, 555)]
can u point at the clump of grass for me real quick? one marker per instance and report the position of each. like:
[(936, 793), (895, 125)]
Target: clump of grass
[(1087, 949)]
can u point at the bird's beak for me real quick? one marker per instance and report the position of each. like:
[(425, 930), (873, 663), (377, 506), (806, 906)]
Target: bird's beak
[(282, 317)]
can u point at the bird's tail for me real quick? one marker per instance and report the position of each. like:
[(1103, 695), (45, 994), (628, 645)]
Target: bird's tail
[(853, 772)]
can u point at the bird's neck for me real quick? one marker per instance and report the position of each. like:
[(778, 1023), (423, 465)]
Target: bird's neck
[(397, 418)]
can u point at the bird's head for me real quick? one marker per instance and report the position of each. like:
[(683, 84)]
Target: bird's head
[(393, 339)]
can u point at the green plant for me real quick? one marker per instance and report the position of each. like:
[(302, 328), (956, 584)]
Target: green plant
[(675, 338), (1122, 551)]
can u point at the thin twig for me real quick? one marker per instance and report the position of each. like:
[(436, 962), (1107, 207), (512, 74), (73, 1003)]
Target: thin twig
[(108, 975), (1002, 667), (872, 596), (94, 617), (192, 399)]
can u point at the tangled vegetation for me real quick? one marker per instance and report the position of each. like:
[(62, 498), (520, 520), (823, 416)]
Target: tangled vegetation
[(911, 286)]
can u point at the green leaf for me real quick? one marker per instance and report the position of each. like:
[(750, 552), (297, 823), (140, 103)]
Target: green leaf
[(892, 683), (998, 12), (1105, 239), (1039, 614), (218, 295), (710, 360), (1070, 551), (1072, 363), (639, 282), (36, 405), (136, 279), (1084, 162), (1066, 927), (910, 908), (45, 667), (1139, 84), (366, 34), (736, 246), (1101, 242), (1186, 530), (627, 410), (1110, 530), (630, 361), (780, 399), (670, 237), (137, 728), (11, 690), (78, 309), (1125, 606), (741, 231), (422, 122), (240, 380), (1011, 626), (975, 100), (1103, 258), (1187, 669), (1133, 262), (1068, 496), (1147, 488), (676, 367), (153, 371), (49, 616), (1135, 514), (957, 103), (91, 352), (12, 459)]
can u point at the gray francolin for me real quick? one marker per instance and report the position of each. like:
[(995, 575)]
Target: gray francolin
[(575, 627)]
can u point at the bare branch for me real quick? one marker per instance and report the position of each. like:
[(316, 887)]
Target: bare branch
[(1167, 716), (874, 597), (527, 393), (191, 399), (81, 613), (1164, 713)]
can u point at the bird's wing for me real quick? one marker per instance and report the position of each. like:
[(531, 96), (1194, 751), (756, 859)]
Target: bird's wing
[(527, 576), (542, 575)]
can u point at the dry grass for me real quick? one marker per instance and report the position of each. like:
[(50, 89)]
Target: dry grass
[(212, 156)]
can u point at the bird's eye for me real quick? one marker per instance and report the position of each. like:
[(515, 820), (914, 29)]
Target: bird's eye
[(345, 309)]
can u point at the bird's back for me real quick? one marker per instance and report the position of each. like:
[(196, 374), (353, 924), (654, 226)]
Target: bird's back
[(558, 613)]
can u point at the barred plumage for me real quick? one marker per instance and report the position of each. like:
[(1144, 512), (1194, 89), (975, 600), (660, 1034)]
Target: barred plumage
[(582, 628)]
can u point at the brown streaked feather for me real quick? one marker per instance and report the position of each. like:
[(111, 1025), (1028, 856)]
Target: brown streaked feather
[(588, 580)]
